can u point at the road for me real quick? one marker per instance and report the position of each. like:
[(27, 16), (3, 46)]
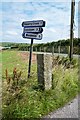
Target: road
[(56, 54), (71, 110)]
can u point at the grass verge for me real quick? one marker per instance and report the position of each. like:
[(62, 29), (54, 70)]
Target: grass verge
[(25, 100)]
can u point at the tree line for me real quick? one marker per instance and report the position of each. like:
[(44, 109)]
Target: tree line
[(63, 45)]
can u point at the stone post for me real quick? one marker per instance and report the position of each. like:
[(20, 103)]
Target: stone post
[(58, 49), (68, 50), (36, 49), (44, 70), (53, 50)]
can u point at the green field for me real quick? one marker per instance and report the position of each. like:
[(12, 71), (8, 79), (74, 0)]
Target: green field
[(25, 100)]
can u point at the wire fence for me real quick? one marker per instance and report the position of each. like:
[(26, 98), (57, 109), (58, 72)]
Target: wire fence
[(56, 49)]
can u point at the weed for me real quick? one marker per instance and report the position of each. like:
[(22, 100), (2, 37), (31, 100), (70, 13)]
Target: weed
[(16, 76), (13, 80), (65, 62), (8, 79)]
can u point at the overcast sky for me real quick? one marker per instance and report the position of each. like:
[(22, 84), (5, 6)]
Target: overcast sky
[(56, 15)]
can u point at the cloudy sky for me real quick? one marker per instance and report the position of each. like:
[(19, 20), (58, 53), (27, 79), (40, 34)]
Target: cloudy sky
[(56, 14)]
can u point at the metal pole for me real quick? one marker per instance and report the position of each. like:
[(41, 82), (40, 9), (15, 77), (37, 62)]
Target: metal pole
[(71, 29), (30, 57)]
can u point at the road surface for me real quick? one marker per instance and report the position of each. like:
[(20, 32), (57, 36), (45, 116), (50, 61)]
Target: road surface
[(56, 54), (71, 110)]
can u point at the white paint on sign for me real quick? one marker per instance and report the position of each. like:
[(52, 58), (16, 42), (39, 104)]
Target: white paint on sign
[(32, 36), (38, 23), (33, 29)]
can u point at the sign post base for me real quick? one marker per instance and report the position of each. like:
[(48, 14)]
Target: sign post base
[(30, 57)]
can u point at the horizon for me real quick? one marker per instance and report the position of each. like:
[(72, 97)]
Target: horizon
[(36, 43)]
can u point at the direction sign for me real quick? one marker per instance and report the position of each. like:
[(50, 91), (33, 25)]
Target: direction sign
[(32, 36), (37, 23), (33, 29)]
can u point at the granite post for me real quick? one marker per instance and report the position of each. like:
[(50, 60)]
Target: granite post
[(44, 70)]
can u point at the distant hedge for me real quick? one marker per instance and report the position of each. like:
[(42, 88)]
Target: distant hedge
[(47, 47)]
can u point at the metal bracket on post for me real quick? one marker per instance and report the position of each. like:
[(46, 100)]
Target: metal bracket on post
[(30, 57)]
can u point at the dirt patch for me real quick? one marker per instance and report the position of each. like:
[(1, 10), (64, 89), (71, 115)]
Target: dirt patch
[(25, 56), (34, 58)]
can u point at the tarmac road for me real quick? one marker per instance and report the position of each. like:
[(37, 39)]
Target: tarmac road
[(56, 54), (71, 110)]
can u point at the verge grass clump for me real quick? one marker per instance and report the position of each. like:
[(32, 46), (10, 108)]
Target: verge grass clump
[(27, 101), (14, 79)]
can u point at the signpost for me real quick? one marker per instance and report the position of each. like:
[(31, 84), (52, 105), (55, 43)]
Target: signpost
[(32, 30), (37, 23), (30, 56), (32, 36)]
